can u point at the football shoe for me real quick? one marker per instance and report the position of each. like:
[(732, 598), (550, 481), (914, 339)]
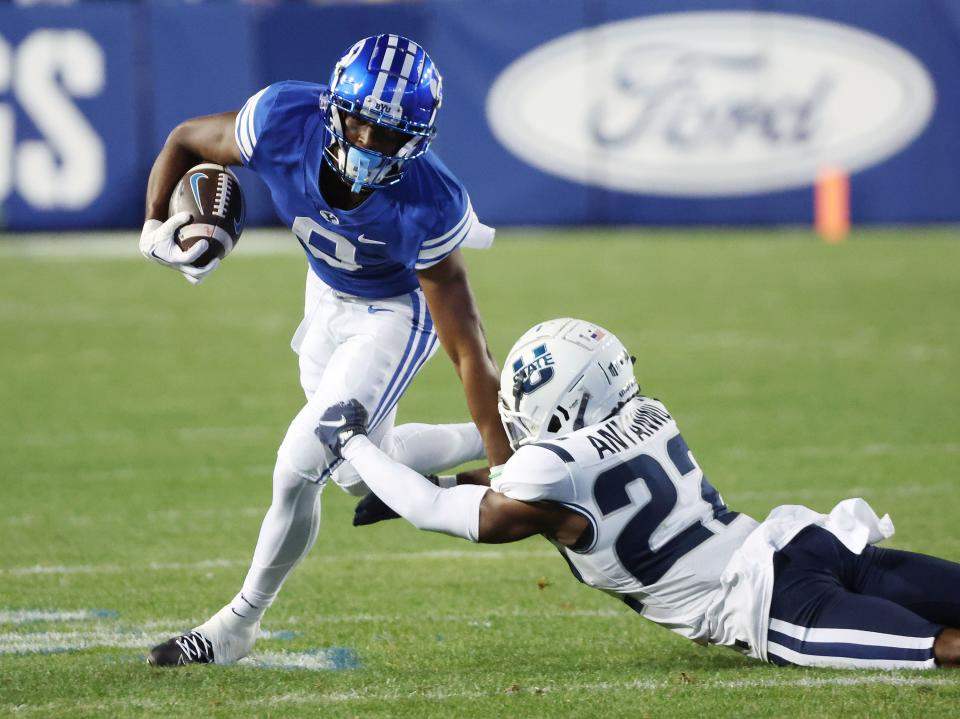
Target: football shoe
[(222, 639)]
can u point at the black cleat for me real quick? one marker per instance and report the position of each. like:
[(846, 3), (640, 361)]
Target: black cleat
[(189, 648)]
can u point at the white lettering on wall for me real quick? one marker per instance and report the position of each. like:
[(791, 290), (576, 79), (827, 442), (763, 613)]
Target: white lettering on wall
[(6, 121), (67, 168)]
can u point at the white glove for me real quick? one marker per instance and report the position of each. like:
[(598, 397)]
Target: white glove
[(157, 243)]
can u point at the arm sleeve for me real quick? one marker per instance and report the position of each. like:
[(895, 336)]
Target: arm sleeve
[(454, 511), (251, 121)]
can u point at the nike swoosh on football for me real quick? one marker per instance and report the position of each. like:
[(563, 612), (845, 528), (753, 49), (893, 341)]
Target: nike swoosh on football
[(363, 239), (195, 186)]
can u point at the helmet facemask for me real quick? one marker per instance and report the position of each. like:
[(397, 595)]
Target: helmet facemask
[(362, 167), (522, 428)]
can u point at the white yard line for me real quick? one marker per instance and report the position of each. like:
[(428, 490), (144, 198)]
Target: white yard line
[(26, 616), (481, 555), (33, 642), (120, 244), (46, 642), (336, 659), (103, 630), (58, 569), (315, 661)]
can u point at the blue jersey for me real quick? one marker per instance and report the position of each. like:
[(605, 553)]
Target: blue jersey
[(372, 250)]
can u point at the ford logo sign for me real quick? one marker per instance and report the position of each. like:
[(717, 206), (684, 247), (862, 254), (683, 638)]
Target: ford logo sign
[(710, 103)]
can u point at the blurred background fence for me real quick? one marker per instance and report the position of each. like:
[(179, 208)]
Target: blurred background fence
[(568, 112)]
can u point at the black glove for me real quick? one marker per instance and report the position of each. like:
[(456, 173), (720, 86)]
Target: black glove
[(341, 423), (371, 510)]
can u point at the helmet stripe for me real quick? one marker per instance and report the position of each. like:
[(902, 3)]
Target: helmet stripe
[(386, 65), (383, 74), (405, 74)]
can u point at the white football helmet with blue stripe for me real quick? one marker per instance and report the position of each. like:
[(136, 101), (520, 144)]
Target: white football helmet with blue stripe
[(392, 82), (562, 375)]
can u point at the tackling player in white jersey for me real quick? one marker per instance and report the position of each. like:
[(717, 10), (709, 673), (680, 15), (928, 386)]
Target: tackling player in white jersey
[(381, 221), (604, 474)]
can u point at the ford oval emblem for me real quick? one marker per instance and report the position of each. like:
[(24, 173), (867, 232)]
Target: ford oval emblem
[(710, 103)]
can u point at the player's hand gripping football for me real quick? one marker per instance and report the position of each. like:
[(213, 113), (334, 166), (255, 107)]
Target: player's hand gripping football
[(158, 243), (341, 423)]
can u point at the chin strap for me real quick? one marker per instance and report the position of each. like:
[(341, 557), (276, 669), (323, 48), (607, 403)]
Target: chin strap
[(578, 422), (517, 393), (362, 161)]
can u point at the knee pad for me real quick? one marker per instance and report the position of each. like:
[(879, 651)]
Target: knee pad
[(303, 454), (286, 479)]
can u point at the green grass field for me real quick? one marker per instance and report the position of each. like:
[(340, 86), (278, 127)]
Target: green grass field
[(139, 419)]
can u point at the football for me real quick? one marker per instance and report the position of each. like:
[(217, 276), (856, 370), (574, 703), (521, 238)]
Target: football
[(211, 194)]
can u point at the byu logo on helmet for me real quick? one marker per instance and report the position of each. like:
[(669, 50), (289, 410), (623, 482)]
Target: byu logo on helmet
[(527, 377)]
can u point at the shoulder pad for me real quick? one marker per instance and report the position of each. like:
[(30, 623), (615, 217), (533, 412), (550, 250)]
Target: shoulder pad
[(537, 472)]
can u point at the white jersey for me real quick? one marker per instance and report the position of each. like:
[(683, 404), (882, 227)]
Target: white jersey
[(660, 536)]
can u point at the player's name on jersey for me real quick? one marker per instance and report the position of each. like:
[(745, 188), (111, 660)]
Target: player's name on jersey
[(610, 438)]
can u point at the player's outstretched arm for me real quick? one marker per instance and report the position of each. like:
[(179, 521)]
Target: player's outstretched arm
[(458, 324), (469, 511)]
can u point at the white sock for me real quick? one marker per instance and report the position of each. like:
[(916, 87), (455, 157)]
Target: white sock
[(288, 532)]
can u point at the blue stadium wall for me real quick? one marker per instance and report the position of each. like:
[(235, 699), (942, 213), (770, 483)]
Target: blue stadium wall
[(567, 112)]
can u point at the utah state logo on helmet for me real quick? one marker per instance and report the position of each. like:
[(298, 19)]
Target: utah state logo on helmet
[(390, 81)]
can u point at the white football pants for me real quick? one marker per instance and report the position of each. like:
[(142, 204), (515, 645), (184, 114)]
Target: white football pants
[(349, 348)]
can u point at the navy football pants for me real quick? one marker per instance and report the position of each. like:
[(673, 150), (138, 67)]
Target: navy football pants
[(881, 609)]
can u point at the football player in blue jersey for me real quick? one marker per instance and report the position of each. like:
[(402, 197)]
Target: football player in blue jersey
[(604, 474), (381, 221)]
